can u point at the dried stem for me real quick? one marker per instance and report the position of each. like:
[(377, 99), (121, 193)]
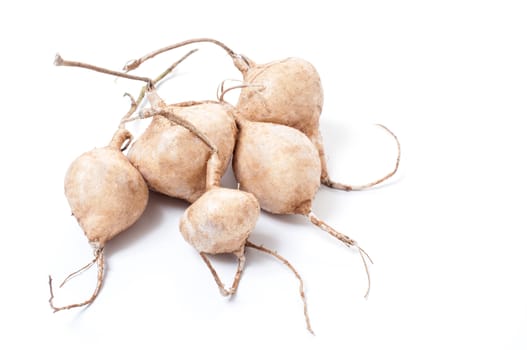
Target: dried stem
[(347, 241), (241, 264), (339, 186), (137, 102), (173, 117), (99, 258), (221, 86), (214, 173), (79, 271), (288, 264), (136, 63), (241, 86), (234, 287), (59, 61)]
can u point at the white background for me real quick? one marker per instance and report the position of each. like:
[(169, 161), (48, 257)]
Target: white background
[(447, 234)]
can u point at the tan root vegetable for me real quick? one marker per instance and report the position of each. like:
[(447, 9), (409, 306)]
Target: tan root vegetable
[(106, 195), (287, 92), (220, 222), (171, 159), (281, 167)]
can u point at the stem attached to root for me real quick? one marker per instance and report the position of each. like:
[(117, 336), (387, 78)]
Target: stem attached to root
[(136, 63), (347, 241), (339, 186), (173, 117), (99, 258), (235, 283), (288, 264), (214, 174), (221, 91), (59, 61), (137, 102)]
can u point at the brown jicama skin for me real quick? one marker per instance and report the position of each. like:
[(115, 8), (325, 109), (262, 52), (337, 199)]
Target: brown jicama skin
[(281, 167), (292, 82), (171, 159), (106, 195), (287, 92), (105, 192), (220, 221)]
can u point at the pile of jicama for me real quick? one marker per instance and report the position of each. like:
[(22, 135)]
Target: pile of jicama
[(271, 136)]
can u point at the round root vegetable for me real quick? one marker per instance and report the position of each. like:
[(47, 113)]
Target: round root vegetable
[(221, 220), (171, 159), (104, 190), (106, 195), (287, 92), (281, 167)]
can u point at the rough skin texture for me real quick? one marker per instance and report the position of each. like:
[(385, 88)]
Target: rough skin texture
[(172, 160), (287, 92), (105, 192), (279, 165), (220, 221)]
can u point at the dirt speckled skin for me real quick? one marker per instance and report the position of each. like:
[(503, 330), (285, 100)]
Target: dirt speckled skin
[(105, 192), (220, 221), (287, 92), (172, 160), (279, 165)]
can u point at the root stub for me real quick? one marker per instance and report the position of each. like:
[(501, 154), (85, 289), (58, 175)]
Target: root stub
[(235, 283), (99, 259)]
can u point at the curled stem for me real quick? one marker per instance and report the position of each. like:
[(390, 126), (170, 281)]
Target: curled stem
[(133, 64), (235, 283), (347, 241), (99, 258), (59, 61), (221, 91), (288, 264), (339, 186)]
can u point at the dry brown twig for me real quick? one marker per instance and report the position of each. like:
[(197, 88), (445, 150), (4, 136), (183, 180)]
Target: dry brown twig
[(297, 275)]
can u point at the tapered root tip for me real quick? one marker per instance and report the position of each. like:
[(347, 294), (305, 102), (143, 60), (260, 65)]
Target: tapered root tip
[(58, 60), (131, 65)]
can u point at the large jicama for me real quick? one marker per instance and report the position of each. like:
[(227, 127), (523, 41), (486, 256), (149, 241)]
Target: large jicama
[(281, 167), (287, 92), (172, 160), (106, 195)]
